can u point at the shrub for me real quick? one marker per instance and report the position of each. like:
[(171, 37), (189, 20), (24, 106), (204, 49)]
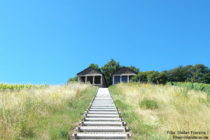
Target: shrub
[(140, 77), (162, 78), (73, 79), (152, 77), (148, 104)]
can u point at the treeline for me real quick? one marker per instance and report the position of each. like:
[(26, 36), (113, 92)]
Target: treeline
[(198, 73)]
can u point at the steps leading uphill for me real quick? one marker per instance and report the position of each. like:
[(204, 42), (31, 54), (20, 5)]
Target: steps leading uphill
[(102, 120)]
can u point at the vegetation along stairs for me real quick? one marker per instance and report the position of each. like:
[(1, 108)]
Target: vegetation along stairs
[(102, 120)]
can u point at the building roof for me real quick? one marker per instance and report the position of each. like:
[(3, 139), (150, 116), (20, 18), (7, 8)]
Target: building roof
[(89, 70), (124, 70)]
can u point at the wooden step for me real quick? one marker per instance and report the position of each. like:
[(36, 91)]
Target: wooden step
[(99, 135), (103, 112), (101, 129), (102, 119), (103, 115), (102, 123), (103, 109)]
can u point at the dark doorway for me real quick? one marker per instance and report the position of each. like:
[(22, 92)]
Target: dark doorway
[(130, 77), (90, 79), (97, 79), (82, 79)]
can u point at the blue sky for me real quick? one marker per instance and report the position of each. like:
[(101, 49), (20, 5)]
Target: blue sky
[(48, 41)]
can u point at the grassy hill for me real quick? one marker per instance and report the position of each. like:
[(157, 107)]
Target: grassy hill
[(48, 112), (153, 110), (194, 86), (42, 112)]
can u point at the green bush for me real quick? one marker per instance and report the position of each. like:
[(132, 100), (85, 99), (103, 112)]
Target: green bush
[(148, 104), (162, 78), (140, 77), (73, 79)]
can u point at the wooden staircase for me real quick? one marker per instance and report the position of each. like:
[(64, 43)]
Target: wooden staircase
[(102, 120)]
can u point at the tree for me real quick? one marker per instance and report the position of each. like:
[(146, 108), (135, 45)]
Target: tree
[(108, 69), (152, 77), (206, 78), (94, 66), (187, 70), (162, 78), (73, 79), (134, 69), (198, 73), (140, 77), (176, 75)]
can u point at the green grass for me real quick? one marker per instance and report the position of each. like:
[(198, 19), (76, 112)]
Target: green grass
[(193, 86), (48, 113), (62, 121), (139, 129), (148, 104), (152, 110), (4, 86)]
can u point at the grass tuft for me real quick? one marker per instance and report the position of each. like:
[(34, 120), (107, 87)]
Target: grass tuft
[(148, 104)]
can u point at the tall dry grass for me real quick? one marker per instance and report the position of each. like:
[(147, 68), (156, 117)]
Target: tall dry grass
[(42, 113), (168, 108)]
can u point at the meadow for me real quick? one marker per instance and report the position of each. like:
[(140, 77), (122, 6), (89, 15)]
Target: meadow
[(43, 113), (194, 86), (10, 87), (154, 111)]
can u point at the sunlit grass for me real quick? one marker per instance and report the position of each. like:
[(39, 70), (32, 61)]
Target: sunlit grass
[(195, 86), (152, 110), (4, 86), (45, 113)]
